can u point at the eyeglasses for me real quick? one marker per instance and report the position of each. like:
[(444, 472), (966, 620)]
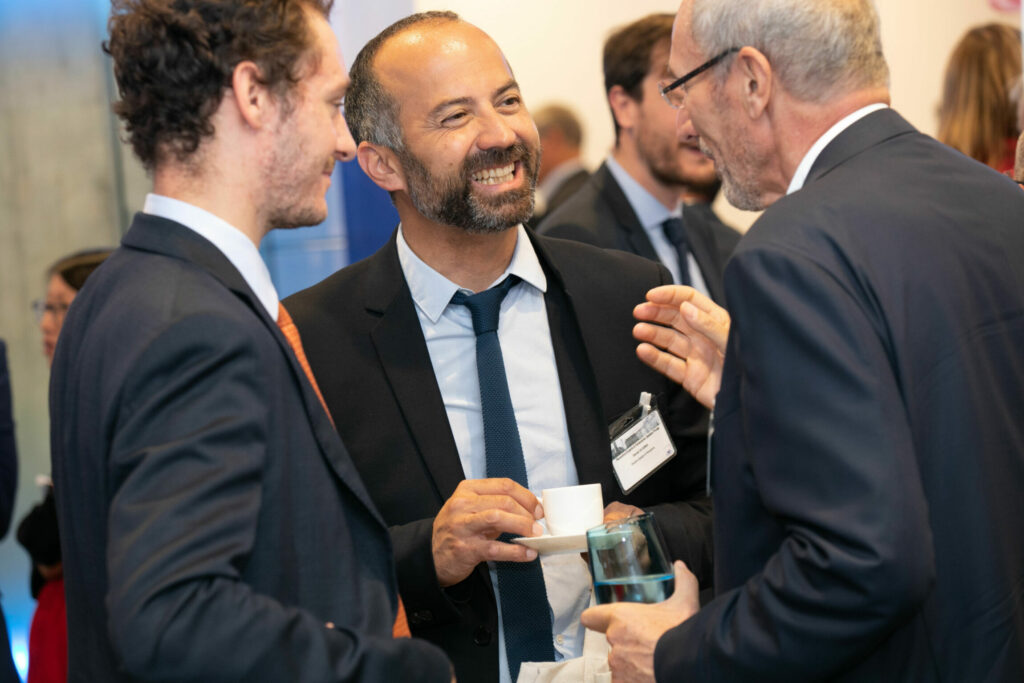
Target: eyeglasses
[(675, 94), (41, 308)]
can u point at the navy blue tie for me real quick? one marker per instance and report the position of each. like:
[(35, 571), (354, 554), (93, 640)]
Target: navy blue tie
[(524, 600), (676, 234)]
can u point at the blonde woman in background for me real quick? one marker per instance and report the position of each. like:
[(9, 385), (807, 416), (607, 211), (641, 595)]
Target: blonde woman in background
[(978, 112)]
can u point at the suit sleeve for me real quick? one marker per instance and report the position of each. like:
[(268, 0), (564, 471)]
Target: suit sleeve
[(814, 428), (187, 457)]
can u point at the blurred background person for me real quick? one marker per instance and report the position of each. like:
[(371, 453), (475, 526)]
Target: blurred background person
[(978, 114), (561, 171), (634, 200), (37, 532), (8, 484), (1018, 167)]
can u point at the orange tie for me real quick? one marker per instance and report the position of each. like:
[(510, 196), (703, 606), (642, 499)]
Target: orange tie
[(291, 333)]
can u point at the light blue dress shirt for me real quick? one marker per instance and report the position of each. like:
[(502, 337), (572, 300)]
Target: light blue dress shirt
[(536, 397), (651, 214)]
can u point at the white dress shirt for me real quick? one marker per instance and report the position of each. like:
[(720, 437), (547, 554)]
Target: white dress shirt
[(229, 240), (536, 398), (652, 213)]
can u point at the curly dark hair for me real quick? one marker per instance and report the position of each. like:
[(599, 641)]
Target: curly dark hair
[(173, 59)]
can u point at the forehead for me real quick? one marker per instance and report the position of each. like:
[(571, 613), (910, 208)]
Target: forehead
[(432, 62), (328, 67), (683, 55)]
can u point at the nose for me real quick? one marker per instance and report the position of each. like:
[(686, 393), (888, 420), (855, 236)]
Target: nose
[(495, 131), (344, 145), (685, 130)]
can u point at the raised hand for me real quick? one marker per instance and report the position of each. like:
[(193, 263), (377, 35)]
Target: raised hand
[(683, 335)]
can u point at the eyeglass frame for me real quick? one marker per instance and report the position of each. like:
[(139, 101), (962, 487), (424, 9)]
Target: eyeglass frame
[(40, 307), (682, 80)]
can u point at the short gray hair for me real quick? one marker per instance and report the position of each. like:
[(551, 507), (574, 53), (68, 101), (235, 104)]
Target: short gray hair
[(371, 111), (818, 49)]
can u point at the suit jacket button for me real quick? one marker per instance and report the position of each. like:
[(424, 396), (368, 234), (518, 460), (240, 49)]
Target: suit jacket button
[(422, 616), (482, 635)]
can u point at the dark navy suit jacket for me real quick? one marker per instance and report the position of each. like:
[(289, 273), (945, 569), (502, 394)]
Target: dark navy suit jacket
[(868, 455), (212, 522)]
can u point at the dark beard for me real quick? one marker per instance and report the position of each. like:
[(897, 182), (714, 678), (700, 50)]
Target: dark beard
[(450, 200)]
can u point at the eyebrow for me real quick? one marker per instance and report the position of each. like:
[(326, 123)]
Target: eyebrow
[(457, 101)]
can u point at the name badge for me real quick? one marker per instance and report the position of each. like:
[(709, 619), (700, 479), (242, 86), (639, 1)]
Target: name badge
[(640, 444)]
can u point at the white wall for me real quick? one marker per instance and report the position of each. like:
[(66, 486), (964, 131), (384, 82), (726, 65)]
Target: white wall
[(554, 46)]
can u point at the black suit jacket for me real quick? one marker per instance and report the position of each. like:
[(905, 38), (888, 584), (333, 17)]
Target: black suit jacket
[(868, 455), (211, 520), (600, 214), (367, 350)]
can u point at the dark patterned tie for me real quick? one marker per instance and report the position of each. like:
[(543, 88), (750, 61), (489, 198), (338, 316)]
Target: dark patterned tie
[(524, 600), (675, 233)]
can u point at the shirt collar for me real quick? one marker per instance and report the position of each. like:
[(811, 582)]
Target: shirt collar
[(649, 211), (229, 240), (432, 291), (800, 177)]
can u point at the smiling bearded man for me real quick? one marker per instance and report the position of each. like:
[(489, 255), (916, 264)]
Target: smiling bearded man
[(443, 127)]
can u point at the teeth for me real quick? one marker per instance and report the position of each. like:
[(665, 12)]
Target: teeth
[(494, 176)]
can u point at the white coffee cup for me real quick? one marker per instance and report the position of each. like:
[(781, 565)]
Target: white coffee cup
[(571, 510)]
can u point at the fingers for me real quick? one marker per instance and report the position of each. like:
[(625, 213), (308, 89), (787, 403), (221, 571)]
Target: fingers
[(676, 343), (597, 618), (467, 525), (713, 324), (616, 510), (673, 295), (671, 366), (491, 523)]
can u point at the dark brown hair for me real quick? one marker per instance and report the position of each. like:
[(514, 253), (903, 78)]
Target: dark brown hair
[(173, 59), (77, 267), (627, 55)]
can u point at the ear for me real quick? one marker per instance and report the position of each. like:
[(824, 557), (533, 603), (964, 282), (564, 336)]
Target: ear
[(756, 81), (255, 103), (624, 108), (382, 166)]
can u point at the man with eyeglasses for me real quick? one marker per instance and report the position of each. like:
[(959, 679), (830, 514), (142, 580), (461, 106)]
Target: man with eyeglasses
[(635, 200), (867, 461)]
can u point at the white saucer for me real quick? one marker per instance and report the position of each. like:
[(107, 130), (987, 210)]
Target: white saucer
[(548, 545)]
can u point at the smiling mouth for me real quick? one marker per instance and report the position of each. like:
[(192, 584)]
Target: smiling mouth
[(495, 176)]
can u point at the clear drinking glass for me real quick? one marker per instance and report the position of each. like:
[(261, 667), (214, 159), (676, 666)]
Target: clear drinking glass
[(628, 562)]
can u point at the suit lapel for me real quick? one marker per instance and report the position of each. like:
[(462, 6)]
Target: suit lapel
[(398, 339), (632, 232), (584, 413), (155, 234)]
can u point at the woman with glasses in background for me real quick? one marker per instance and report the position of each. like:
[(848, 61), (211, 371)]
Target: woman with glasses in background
[(38, 533)]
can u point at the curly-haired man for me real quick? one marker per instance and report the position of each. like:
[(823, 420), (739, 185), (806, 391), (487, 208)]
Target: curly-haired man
[(213, 526)]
